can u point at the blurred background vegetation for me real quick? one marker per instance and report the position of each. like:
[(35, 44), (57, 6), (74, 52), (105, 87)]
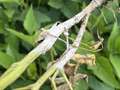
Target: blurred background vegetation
[(21, 20)]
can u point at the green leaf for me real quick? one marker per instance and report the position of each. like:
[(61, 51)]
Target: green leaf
[(94, 20), (10, 1), (12, 47), (5, 60), (81, 85), (77, 0), (56, 3), (13, 52), (59, 46), (3, 20), (113, 4), (107, 15), (32, 71), (97, 22), (103, 70), (20, 83), (115, 60), (2, 47), (30, 22), (41, 17), (28, 38), (87, 41), (46, 87), (1, 27), (12, 41), (9, 13), (70, 9), (114, 42), (97, 85), (88, 37)]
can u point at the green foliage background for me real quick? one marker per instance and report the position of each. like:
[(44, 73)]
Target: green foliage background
[(21, 20)]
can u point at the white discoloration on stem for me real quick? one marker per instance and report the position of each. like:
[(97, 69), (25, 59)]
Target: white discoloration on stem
[(55, 32), (7, 78), (69, 53)]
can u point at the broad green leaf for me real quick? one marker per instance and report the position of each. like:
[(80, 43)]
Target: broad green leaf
[(59, 46), (20, 83), (97, 85), (86, 43), (97, 22), (32, 71), (41, 17), (108, 15), (94, 20), (13, 41), (88, 37), (13, 52), (10, 1), (9, 13), (30, 22), (77, 1), (113, 4), (46, 87), (12, 46), (5, 60), (103, 70), (2, 47), (70, 9), (44, 60), (1, 26), (56, 3), (3, 18), (81, 85), (115, 60), (114, 42), (28, 38)]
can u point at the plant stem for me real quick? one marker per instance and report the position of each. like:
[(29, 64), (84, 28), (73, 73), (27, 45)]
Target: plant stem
[(44, 77), (63, 59), (16, 70), (39, 83)]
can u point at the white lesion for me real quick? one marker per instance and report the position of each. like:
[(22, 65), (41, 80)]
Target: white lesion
[(44, 33), (66, 33)]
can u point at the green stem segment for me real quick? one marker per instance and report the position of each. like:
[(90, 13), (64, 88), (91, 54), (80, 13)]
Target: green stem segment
[(44, 77), (17, 69), (41, 81)]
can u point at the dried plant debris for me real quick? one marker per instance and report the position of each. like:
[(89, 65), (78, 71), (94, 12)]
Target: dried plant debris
[(88, 59)]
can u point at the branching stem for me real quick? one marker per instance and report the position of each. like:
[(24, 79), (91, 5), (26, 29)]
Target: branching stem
[(18, 68)]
